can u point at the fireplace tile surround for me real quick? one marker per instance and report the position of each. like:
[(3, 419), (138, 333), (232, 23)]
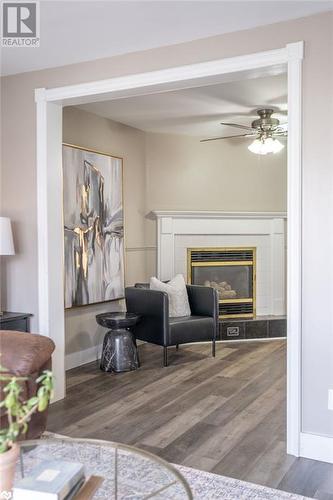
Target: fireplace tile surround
[(177, 231), (262, 327)]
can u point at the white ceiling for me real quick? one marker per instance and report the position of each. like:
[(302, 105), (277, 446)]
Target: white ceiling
[(76, 31), (199, 111)]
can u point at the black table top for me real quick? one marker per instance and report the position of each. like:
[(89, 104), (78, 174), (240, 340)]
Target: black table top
[(7, 316), (116, 320)]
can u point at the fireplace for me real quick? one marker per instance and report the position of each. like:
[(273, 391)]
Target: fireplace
[(232, 271)]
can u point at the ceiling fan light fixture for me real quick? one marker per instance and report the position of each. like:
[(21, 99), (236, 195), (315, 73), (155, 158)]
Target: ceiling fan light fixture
[(277, 146), (264, 146), (256, 147)]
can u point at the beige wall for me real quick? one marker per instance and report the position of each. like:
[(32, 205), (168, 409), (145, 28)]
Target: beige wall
[(184, 174), (19, 176), (88, 130)]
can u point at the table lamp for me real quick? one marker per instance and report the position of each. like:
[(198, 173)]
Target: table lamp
[(6, 239)]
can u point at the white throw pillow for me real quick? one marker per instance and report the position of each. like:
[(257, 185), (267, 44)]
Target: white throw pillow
[(176, 290)]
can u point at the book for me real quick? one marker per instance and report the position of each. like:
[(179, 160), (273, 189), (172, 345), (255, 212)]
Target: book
[(87, 491), (50, 480)]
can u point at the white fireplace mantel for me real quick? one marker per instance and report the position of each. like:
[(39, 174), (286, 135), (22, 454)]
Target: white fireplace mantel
[(179, 230)]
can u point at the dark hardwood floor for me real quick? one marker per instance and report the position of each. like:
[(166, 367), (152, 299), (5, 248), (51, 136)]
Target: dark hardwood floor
[(225, 415)]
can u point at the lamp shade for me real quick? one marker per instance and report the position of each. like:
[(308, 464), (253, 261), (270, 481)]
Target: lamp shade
[(6, 237)]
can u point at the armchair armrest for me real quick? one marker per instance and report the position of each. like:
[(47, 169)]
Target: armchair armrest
[(203, 301), (153, 306)]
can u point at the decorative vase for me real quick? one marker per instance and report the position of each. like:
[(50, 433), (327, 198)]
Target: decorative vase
[(7, 469)]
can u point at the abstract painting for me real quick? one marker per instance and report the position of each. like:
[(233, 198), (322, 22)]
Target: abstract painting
[(93, 226)]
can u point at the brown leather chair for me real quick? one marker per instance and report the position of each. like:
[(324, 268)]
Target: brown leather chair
[(26, 355)]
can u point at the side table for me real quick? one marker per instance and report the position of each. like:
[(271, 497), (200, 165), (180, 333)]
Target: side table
[(15, 321), (119, 346)]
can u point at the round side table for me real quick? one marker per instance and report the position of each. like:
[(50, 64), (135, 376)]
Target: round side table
[(119, 346)]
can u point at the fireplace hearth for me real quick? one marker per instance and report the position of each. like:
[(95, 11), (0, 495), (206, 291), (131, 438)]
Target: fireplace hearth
[(232, 272)]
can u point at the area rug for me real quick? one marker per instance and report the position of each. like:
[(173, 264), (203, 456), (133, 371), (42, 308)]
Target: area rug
[(208, 486), (203, 485)]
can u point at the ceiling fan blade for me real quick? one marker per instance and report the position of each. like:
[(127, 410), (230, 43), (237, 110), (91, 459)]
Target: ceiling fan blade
[(236, 125), (280, 134), (227, 137)]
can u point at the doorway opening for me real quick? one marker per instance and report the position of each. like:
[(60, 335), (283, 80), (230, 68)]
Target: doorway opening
[(49, 132)]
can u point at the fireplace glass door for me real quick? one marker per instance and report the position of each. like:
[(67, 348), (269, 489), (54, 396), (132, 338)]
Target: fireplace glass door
[(231, 272)]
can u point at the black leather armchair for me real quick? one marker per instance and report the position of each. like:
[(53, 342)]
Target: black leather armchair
[(156, 326)]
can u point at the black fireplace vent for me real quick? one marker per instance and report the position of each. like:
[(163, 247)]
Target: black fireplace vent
[(235, 308), (221, 255)]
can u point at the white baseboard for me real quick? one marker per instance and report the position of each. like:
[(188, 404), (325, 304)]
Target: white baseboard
[(82, 357), (316, 447)]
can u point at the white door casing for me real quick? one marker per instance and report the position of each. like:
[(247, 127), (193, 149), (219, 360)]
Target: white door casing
[(49, 193)]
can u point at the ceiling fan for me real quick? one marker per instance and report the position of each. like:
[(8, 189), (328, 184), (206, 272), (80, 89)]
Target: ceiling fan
[(265, 129)]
